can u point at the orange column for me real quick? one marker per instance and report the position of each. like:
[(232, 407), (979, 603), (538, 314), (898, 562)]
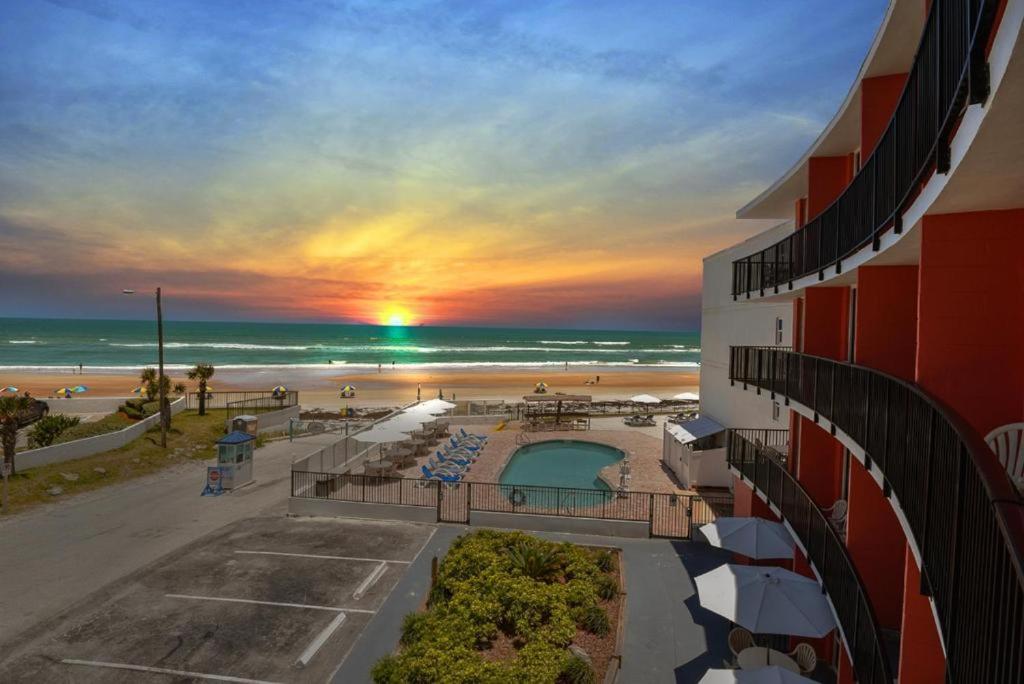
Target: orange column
[(827, 177), (875, 540), (971, 315), (886, 321), (746, 504), (921, 659), (825, 333), (878, 99)]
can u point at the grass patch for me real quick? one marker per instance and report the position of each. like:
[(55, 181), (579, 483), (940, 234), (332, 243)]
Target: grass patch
[(111, 423), (505, 608), (191, 438)]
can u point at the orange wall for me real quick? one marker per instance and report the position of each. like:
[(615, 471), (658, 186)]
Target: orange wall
[(746, 504), (827, 177), (971, 315), (874, 538), (878, 99), (886, 321), (826, 321), (819, 466), (800, 212), (921, 659)]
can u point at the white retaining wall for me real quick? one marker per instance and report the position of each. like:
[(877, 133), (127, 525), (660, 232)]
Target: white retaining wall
[(274, 420), (80, 448)]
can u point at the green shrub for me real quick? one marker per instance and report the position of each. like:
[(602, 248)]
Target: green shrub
[(490, 583), (132, 411), (48, 428), (604, 560), (577, 671), (536, 561), (413, 627), (594, 619), (607, 587)]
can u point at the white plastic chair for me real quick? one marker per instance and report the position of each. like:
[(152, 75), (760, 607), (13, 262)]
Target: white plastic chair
[(1008, 444), (837, 515)]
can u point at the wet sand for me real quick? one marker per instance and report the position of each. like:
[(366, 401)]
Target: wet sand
[(319, 388)]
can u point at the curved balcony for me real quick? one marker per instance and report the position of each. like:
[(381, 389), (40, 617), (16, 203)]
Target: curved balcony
[(949, 70), (965, 515), (749, 453)]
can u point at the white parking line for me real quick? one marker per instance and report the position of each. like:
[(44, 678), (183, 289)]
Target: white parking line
[(311, 555), (370, 580), (320, 639), (163, 670), (336, 609)]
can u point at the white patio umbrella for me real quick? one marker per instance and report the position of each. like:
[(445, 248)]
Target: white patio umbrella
[(687, 396), (752, 537), (766, 600), (409, 422), (645, 399), (421, 410), (772, 674), (381, 434), (433, 404)]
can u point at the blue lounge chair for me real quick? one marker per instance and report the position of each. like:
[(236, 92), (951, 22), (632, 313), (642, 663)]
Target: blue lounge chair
[(464, 445), (480, 439), (427, 475), (461, 462), (450, 468)]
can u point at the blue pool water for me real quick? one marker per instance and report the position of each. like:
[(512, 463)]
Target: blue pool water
[(559, 463)]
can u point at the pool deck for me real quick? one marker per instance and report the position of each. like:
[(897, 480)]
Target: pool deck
[(644, 451)]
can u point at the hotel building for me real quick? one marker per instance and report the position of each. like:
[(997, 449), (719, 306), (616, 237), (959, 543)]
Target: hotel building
[(866, 354)]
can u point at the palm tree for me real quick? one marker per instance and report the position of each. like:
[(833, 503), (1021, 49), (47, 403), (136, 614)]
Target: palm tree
[(149, 385), (202, 372), (10, 409)]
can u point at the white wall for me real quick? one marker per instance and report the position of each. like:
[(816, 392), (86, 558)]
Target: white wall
[(89, 446), (724, 323)]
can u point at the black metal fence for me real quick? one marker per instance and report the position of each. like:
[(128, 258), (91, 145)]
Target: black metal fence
[(667, 515), (948, 71), (766, 470), (220, 400), (268, 401), (966, 516)]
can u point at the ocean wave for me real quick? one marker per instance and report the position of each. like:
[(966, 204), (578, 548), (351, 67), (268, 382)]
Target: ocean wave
[(342, 366), (21, 341), (563, 341), (611, 343), (216, 345)]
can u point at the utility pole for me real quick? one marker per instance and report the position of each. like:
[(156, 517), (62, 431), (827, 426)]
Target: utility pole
[(160, 379)]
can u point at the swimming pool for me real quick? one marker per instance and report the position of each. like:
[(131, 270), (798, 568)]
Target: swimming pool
[(559, 463)]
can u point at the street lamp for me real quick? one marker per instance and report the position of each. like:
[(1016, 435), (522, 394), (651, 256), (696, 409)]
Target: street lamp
[(160, 373)]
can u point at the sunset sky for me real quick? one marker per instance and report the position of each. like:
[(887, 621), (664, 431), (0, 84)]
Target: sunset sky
[(510, 162)]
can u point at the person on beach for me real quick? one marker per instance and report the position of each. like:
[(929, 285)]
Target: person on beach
[(379, 368), (598, 379), (79, 369)]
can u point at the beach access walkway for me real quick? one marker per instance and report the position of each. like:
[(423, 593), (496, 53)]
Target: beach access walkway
[(54, 556)]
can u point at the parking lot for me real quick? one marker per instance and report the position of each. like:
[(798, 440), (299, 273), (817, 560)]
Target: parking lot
[(269, 599)]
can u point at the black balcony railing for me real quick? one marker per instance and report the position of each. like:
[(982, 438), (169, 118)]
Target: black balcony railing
[(965, 515), (751, 453), (948, 71)]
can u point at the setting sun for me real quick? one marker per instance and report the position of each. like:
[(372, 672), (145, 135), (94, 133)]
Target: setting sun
[(395, 316)]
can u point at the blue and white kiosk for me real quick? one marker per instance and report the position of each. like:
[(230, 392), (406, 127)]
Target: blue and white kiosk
[(234, 459)]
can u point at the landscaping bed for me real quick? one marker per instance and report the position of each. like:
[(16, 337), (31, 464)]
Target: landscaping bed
[(510, 607)]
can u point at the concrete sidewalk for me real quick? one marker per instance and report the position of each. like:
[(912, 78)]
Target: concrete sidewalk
[(54, 556), (669, 637)]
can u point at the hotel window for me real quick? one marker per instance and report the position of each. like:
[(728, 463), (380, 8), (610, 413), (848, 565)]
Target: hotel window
[(779, 323), (776, 411), (852, 332)]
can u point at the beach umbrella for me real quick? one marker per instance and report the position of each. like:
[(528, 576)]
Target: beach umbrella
[(766, 600), (753, 537), (381, 434), (137, 390), (687, 396), (771, 674), (279, 390), (10, 388), (645, 399), (63, 390), (79, 388), (348, 390)]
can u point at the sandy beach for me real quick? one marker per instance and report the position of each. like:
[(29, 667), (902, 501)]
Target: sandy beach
[(319, 388)]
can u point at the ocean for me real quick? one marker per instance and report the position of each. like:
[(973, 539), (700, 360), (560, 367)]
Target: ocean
[(56, 344)]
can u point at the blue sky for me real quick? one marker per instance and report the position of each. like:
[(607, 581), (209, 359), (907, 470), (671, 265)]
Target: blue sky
[(534, 163)]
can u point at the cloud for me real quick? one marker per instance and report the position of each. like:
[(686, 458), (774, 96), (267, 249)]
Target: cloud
[(466, 159)]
